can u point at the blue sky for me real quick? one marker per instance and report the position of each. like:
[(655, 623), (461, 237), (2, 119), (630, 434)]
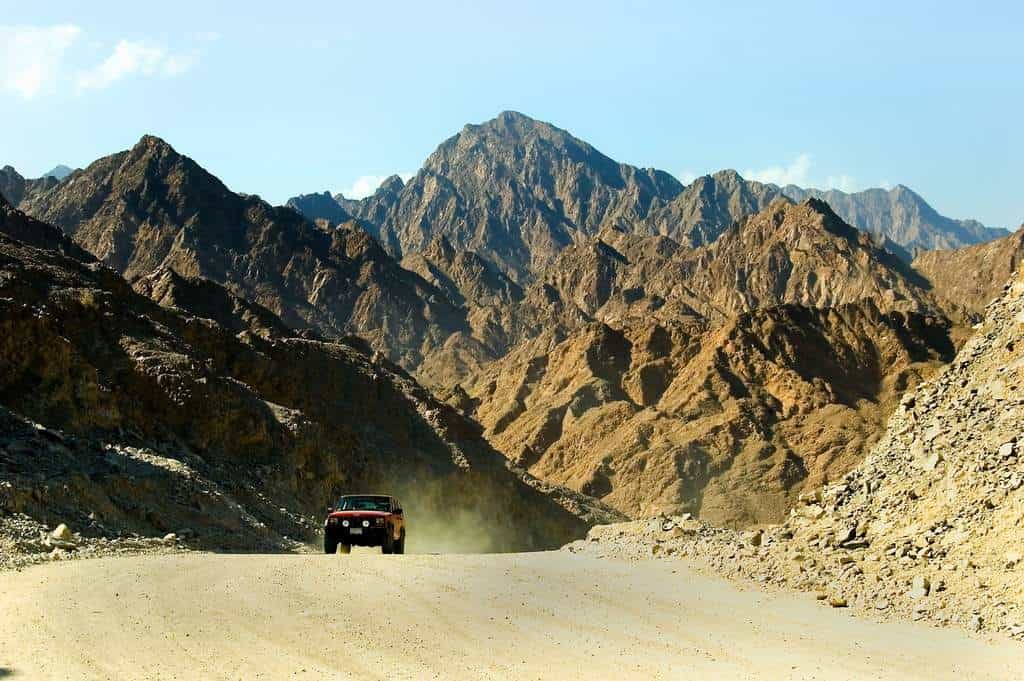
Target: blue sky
[(285, 98)]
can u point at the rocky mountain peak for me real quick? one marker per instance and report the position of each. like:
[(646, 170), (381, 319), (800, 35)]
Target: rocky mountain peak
[(58, 172), (391, 185)]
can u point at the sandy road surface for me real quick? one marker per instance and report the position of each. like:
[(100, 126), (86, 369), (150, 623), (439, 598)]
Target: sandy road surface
[(523, 616)]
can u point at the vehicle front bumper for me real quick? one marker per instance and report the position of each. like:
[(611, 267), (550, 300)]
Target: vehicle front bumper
[(370, 536)]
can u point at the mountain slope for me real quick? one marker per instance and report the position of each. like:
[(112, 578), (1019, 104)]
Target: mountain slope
[(800, 254), (710, 205), (967, 279), (17, 189), (149, 419), (319, 207), (16, 225), (729, 422), (516, 191), (149, 208)]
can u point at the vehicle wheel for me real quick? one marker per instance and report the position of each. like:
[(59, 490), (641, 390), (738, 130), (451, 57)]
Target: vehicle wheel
[(400, 544), (330, 545), (345, 548), (388, 545)]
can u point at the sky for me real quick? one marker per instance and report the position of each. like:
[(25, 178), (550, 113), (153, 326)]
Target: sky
[(279, 99)]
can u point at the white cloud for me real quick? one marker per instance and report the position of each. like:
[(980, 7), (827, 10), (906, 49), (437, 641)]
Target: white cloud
[(797, 172), (687, 176), (38, 60), (367, 184), (843, 183), (131, 58), (31, 57)]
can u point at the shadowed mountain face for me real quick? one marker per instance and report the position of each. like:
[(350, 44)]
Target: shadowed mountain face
[(17, 189), (319, 207), (150, 418), (150, 208), (16, 225)]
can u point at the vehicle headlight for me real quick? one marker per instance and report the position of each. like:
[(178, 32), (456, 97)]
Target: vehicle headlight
[(378, 521), (366, 523), (344, 523), (332, 521)]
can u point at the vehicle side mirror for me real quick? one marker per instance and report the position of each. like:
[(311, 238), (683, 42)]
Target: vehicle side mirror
[(330, 509)]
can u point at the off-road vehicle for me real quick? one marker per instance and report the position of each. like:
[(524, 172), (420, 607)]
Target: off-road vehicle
[(365, 520)]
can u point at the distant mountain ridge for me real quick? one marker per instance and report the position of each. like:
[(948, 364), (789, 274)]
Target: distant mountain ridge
[(516, 191), (899, 214), (58, 172)]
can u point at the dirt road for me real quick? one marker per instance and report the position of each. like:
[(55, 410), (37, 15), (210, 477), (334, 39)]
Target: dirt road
[(522, 616)]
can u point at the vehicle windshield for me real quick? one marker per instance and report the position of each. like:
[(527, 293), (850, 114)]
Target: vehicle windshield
[(364, 504)]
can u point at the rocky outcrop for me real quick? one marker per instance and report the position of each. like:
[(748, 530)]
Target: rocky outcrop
[(120, 416), (204, 298), (710, 205), (16, 225), (16, 188), (319, 207), (463, 276), (729, 422), (900, 216), (967, 279)]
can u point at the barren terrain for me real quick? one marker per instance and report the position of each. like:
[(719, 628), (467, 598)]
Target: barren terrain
[(524, 616)]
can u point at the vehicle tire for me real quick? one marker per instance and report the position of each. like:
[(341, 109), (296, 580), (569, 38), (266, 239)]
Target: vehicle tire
[(330, 545), (388, 544), (400, 544), (345, 548)]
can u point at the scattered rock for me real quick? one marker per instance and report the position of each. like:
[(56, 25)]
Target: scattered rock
[(62, 533)]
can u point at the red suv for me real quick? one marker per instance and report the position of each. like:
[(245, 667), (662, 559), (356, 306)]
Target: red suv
[(365, 520)]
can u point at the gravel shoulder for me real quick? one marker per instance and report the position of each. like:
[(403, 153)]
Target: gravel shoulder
[(524, 616)]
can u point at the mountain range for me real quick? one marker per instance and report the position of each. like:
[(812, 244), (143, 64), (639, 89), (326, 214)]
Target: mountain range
[(713, 348), (516, 191), (179, 405)]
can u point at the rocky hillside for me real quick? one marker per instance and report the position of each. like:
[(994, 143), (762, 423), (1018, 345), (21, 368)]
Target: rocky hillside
[(729, 422), (708, 206), (320, 207), (16, 225), (968, 279), (150, 208), (119, 416), (930, 525), (901, 217), (17, 189), (801, 254)]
